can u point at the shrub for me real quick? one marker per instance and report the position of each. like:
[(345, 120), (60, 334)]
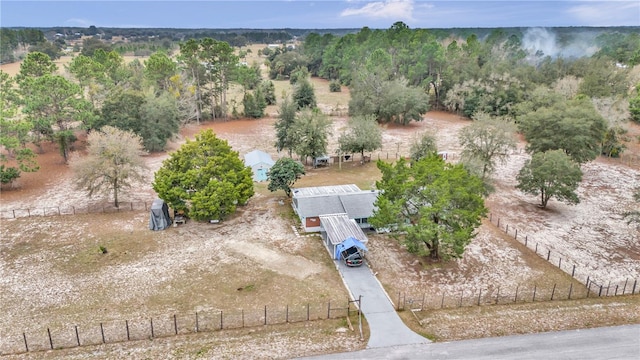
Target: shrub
[(334, 86)]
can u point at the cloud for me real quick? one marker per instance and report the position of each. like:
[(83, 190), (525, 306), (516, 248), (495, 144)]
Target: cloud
[(609, 13), (388, 9), (78, 22)]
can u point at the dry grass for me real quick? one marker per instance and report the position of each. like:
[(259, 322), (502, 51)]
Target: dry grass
[(524, 318)]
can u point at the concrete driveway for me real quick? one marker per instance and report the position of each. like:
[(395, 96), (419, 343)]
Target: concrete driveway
[(386, 327)]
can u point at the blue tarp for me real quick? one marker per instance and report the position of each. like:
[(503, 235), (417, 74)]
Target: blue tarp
[(348, 243)]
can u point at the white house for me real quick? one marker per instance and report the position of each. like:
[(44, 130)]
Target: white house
[(312, 202)]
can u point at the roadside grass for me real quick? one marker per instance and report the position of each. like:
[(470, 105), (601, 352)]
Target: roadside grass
[(263, 342), (523, 318)]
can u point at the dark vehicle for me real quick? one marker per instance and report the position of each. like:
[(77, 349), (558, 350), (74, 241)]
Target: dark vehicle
[(351, 256)]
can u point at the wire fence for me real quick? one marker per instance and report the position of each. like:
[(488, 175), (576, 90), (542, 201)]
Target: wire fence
[(73, 210), (115, 331), (519, 294), (599, 286)]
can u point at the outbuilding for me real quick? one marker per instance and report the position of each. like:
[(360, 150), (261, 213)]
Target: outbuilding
[(159, 218), (260, 162)]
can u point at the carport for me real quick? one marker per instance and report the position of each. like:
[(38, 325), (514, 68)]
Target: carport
[(336, 228)]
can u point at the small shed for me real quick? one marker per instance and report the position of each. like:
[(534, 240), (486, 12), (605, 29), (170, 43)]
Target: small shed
[(159, 218), (260, 162)]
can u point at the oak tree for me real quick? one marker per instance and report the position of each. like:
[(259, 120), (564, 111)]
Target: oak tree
[(573, 126), (283, 174), (550, 174), (435, 206), (363, 134), (204, 178)]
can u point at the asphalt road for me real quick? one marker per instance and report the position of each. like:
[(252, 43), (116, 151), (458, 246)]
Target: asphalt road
[(607, 343)]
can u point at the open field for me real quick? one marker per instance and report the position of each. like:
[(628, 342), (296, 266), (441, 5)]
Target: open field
[(52, 272)]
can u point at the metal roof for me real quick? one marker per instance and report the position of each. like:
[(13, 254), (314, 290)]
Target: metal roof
[(356, 205), (256, 157), (325, 190), (339, 227)]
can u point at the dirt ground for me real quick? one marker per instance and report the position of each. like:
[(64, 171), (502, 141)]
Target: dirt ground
[(43, 261)]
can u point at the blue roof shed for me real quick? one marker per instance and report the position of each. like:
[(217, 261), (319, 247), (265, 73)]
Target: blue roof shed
[(260, 162)]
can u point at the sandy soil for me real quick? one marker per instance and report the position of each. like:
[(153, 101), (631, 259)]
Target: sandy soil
[(591, 234)]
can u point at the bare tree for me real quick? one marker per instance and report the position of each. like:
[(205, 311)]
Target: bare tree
[(487, 141), (113, 162)]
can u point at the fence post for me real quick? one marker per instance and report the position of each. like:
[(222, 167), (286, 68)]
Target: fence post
[(608, 286), (222, 320), (506, 230), (498, 223), (175, 323), (515, 299), (479, 295), (102, 332), (126, 323), (570, 289), (516, 236), (26, 346), (287, 317), (197, 327), (536, 251), (554, 291), (152, 334), (548, 255), (307, 311), (535, 288), (50, 341), (616, 293), (634, 286), (560, 263), (77, 336), (573, 272), (329, 310), (600, 292), (625, 286)]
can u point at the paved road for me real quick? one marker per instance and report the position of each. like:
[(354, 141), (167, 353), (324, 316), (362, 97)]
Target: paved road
[(386, 327), (609, 343)]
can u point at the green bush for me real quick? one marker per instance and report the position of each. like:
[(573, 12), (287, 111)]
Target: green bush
[(334, 86)]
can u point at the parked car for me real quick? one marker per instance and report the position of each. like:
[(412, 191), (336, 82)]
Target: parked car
[(351, 256)]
